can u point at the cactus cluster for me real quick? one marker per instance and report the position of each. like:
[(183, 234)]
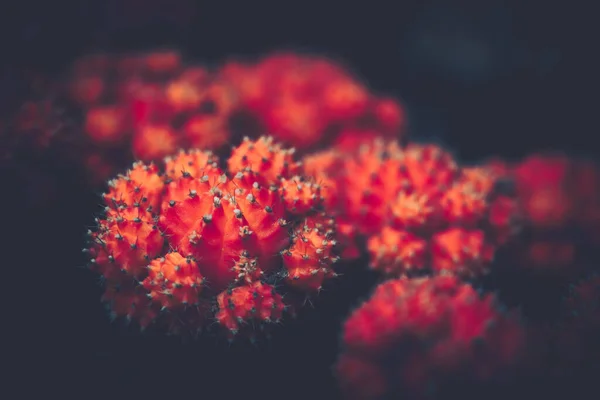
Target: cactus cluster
[(559, 198), (145, 106), (425, 334), (310, 101), (418, 211), (404, 338), (193, 241), (195, 235)]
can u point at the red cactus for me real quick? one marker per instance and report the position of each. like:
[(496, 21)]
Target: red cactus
[(152, 142), (559, 198), (145, 106), (415, 332), (245, 303), (300, 195), (127, 300), (173, 281), (197, 231), (308, 100), (265, 157), (418, 210), (306, 260)]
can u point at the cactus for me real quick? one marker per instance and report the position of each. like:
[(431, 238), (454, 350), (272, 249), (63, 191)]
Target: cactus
[(173, 241), (418, 211), (414, 334), (559, 198), (109, 109), (309, 100)]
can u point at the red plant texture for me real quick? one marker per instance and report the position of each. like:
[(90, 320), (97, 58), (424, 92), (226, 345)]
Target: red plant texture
[(191, 241), (559, 199), (146, 106), (218, 225), (420, 336), (415, 207)]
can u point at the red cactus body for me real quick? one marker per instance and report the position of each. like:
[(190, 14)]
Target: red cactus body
[(264, 157), (145, 106), (173, 281), (417, 209), (558, 191), (307, 101), (545, 199), (154, 141), (106, 124), (244, 303), (559, 198), (197, 232), (414, 332)]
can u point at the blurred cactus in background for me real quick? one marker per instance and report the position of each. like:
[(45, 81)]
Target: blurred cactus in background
[(149, 105)]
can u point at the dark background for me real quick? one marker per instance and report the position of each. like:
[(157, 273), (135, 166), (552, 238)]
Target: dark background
[(502, 78)]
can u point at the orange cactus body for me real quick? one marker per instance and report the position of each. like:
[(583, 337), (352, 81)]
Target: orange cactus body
[(344, 99), (140, 187), (542, 184), (191, 162), (557, 191), (395, 252), (308, 261), (125, 241), (173, 281), (462, 251), (307, 100), (198, 231), (153, 142), (301, 196), (445, 329), (264, 156), (464, 204), (183, 95), (251, 87), (205, 132), (295, 121), (376, 178), (218, 224), (417, 209), (106, 125), (245, 304), (322, 167)]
